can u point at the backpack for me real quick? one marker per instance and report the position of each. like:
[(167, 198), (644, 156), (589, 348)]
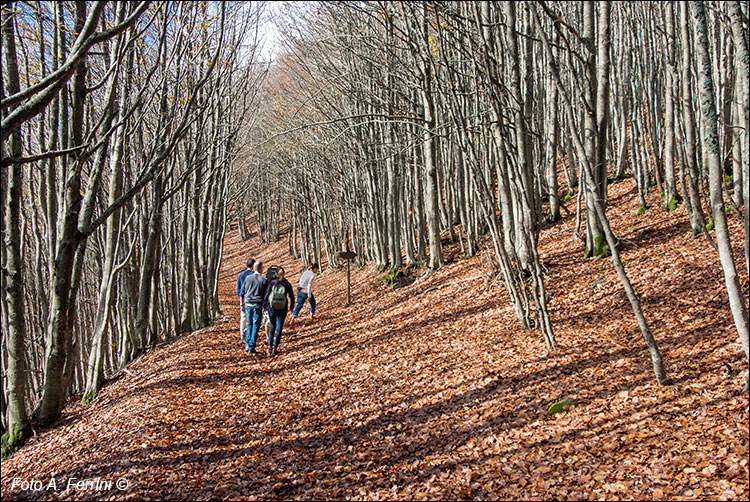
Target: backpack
[(277, 297)]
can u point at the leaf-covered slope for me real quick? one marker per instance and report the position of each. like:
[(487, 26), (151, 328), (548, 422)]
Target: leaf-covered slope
[(433, 392)]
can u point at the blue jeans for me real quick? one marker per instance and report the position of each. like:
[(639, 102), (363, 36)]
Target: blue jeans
[(301, 297), (277, 318), (254, 316)]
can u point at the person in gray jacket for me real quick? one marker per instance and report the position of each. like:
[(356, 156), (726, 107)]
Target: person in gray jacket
[(254, 291), (240, 281)]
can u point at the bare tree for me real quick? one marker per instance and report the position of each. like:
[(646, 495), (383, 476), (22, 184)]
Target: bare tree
[(14, 388), (709, 121)]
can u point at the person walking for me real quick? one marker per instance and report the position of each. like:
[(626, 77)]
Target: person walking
[(305, 292), (277, 293), (253, 292), (240, 280), (270, 276)]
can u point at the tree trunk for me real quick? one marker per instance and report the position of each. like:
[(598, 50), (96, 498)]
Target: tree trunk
[(148, 263), (595, 242), (95, 371), (697, 219), (187, 288), (431, 213), (656, 359), (670, 195), (709, 124), (552, 137), (602, 99), (16, 419), (742, 55), (59, 358)]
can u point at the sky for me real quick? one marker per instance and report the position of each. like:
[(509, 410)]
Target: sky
[(269, 33)]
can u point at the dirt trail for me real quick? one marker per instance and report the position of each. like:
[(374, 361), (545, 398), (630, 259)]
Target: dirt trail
[(437, 395)]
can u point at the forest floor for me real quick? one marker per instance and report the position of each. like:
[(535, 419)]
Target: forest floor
[(420, 392)]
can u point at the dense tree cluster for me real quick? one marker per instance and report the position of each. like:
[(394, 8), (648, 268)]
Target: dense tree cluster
[(396, 125), (134, 132), (119, 121)]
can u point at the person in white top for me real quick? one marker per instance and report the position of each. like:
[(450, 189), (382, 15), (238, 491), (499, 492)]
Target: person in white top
[(305, 292)]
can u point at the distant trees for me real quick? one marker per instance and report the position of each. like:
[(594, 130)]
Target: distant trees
[(117, 161), (403, 125)]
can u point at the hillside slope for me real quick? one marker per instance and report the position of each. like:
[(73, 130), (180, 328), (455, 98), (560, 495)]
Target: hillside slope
[(427, 392)]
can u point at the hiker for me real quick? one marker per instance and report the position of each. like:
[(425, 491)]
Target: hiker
[(253, 292), (270, 276), (271, 272), (304, 292), (276, 302), (240, 280)]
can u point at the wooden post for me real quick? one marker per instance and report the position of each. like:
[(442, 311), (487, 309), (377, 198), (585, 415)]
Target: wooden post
[(348, 256), (348, 283)]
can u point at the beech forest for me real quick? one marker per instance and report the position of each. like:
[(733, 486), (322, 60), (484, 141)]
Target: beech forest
[(377, 250)]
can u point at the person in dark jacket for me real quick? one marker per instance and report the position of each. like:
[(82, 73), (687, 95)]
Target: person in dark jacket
[(254, 292), (271, 272), (270, 276), (240, 280), (279, 300)]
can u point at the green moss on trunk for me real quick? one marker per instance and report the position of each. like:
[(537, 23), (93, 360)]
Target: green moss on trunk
[(601, 249), (88, 397), (13, 440), (392, 277)]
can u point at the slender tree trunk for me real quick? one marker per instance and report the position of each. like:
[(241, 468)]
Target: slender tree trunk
[(148, 264), (709, 124), (602, 98), (59, 358), (697, 219), (742, 55), (394, 225), (552, 137), (431, 189), (656, 358), (187, 288), (95, 371), (595, 242), (523, 186), (670, 196), (16, 418)]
